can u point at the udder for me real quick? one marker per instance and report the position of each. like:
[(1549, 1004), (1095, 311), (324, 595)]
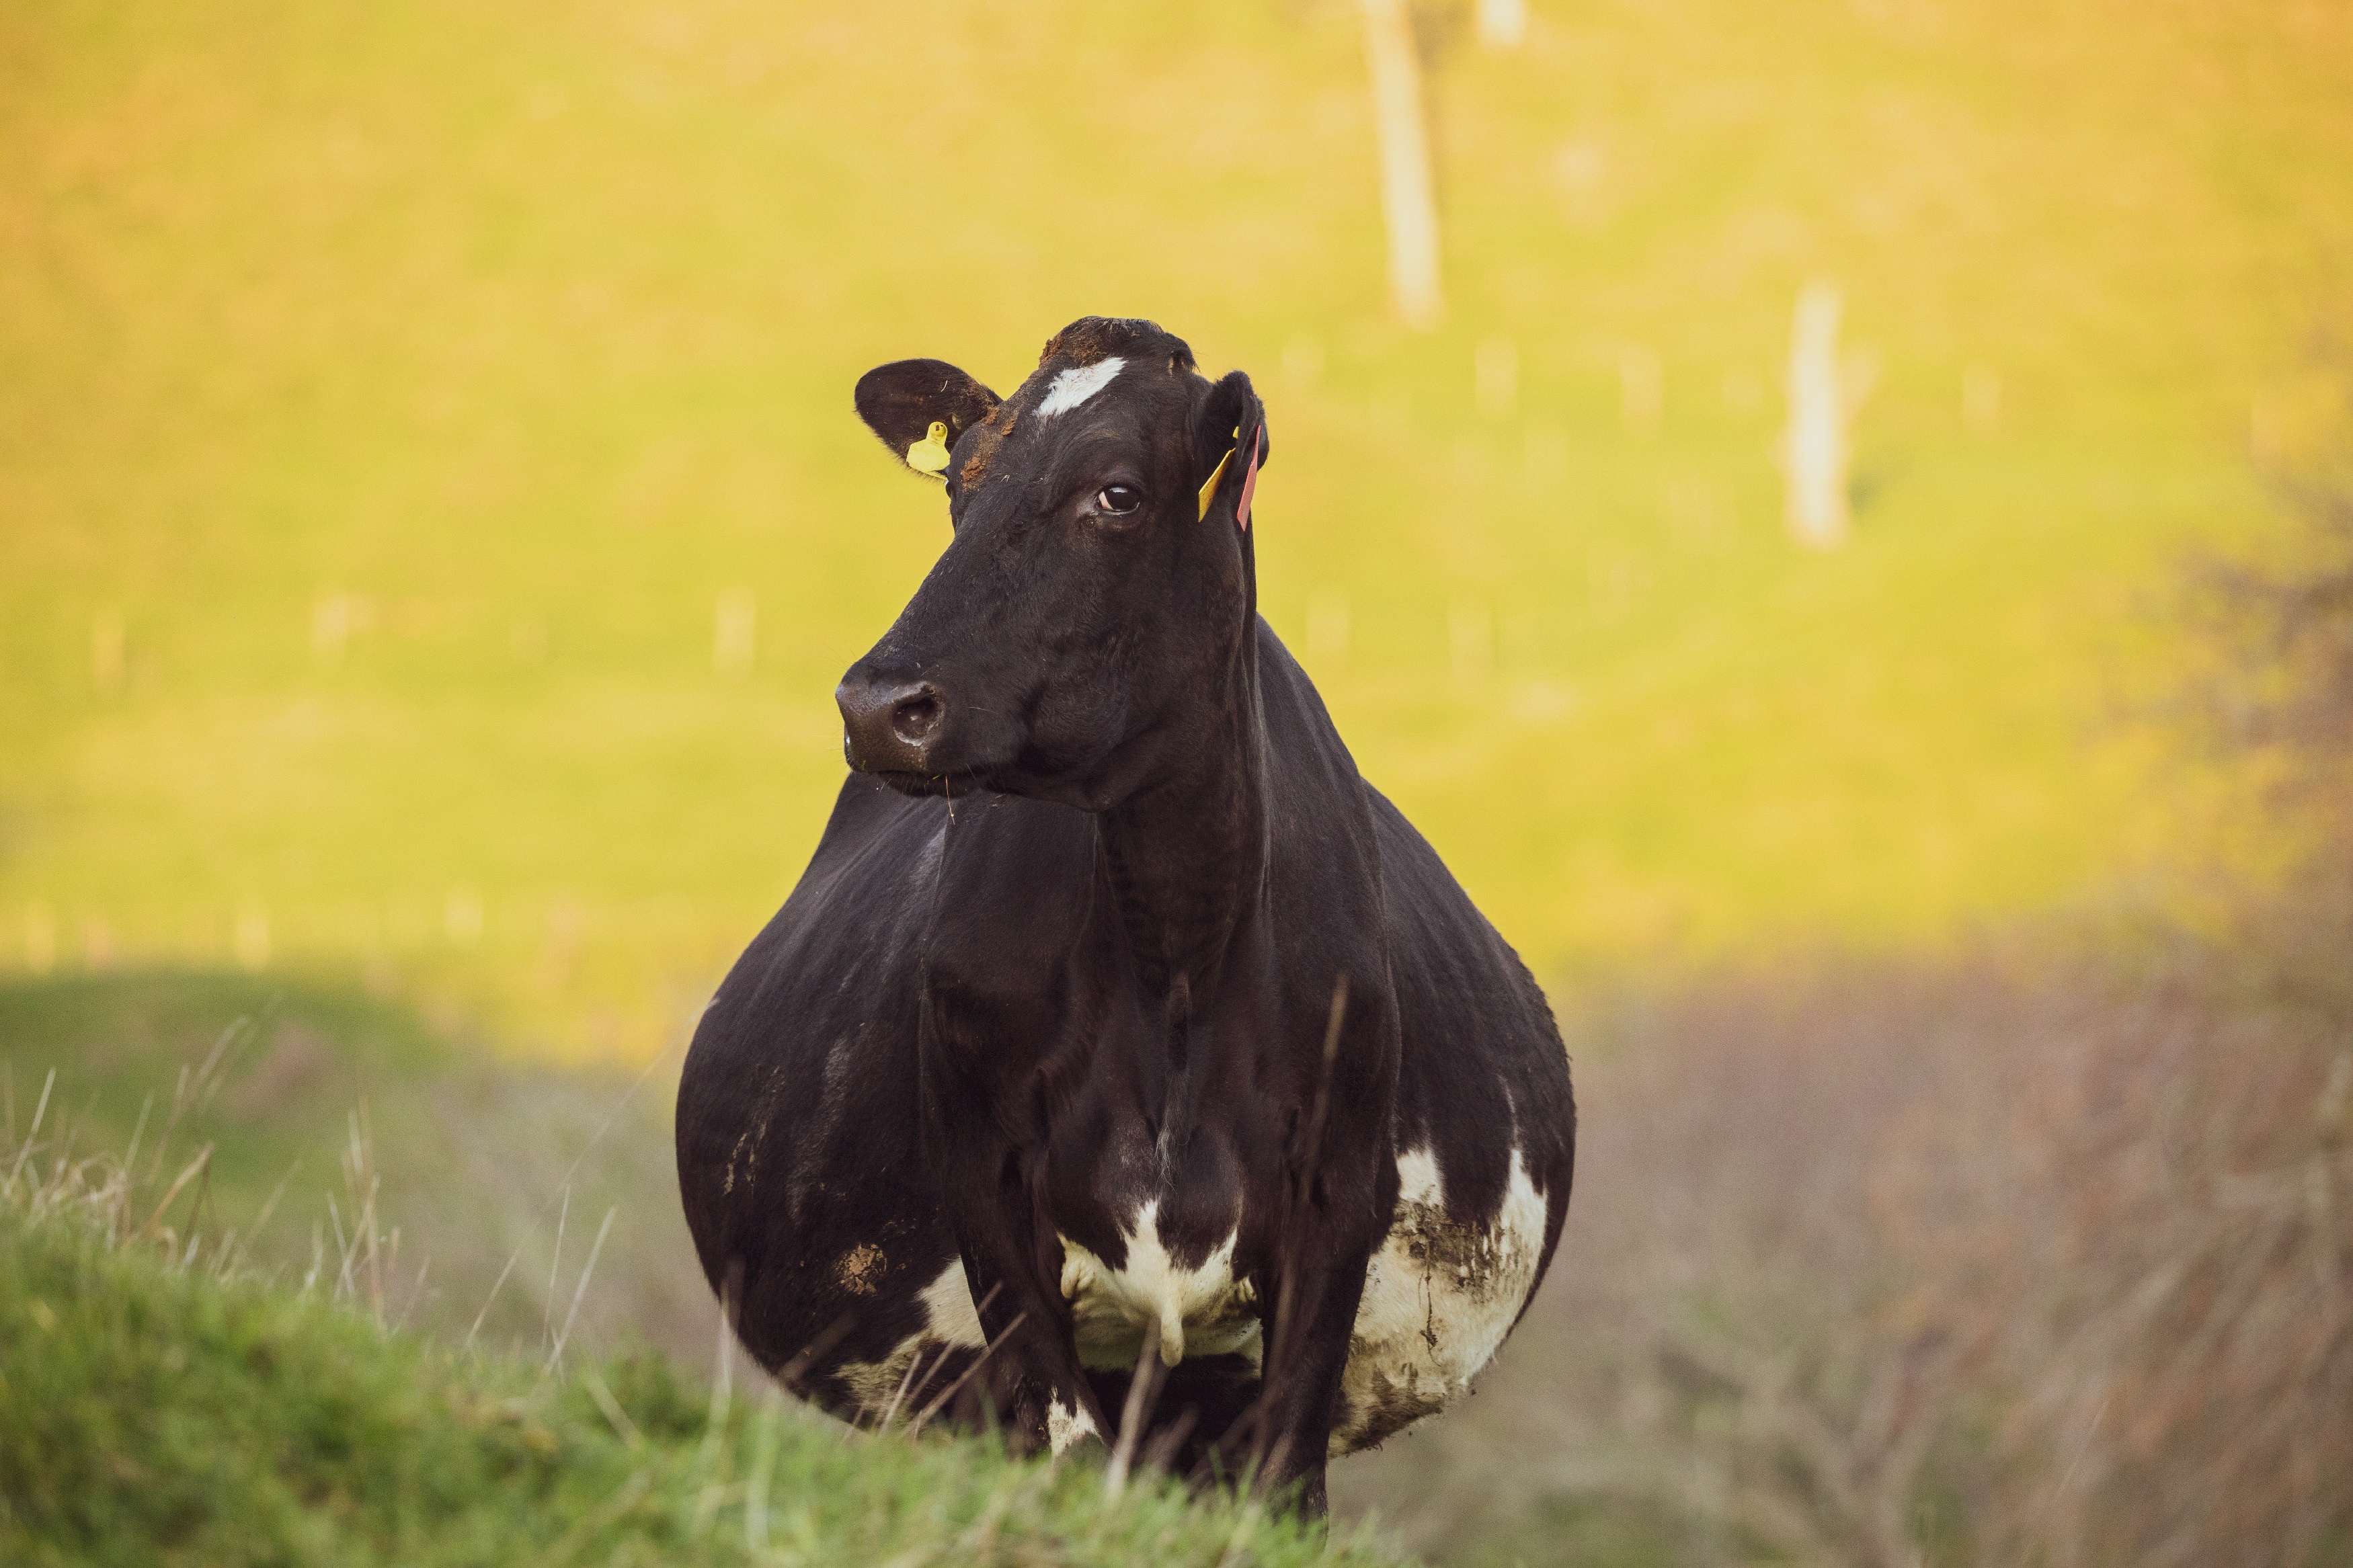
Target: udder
[(1183, 1309)]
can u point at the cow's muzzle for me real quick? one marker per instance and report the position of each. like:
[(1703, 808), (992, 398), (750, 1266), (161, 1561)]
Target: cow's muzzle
[(890, 726)]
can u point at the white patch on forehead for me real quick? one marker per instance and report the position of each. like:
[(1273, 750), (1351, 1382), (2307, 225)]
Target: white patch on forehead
[(1064, 1428), (1076, 384), (1182, 1311), (1439, 1295)]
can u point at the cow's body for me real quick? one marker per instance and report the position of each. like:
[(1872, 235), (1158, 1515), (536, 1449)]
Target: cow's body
[(1218, 1071)]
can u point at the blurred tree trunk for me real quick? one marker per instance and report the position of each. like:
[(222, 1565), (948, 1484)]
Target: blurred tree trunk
[(1408, 200)]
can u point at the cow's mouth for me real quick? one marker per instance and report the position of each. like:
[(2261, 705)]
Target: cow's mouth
[(948, 786)]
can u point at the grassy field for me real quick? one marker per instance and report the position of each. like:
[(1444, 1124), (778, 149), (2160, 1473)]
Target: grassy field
[(382, 1317), (393, 401), (164, 1405), (495, 1193)]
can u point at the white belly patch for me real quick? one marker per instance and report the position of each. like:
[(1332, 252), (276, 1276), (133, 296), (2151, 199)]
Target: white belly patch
[(949, 1321), (1185, 1311), (1439, 1295)]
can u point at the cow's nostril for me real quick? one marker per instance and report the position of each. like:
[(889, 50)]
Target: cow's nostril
[(914, 719), (890, 726)]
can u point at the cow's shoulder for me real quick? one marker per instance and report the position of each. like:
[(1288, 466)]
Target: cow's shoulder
[(830, 976), (860, 902)]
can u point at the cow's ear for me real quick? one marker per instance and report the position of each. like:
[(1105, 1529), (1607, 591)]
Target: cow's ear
[(1229, 447), (919, 407), (1232, 448)]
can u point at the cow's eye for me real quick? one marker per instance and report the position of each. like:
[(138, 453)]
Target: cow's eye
[(1119, 499)]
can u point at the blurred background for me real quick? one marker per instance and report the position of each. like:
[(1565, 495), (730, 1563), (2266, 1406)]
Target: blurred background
[(432, 522)]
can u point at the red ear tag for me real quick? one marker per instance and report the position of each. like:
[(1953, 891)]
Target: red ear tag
[(1249, 481)]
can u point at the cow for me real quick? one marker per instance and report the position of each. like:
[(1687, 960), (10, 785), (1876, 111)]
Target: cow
[(1125, 1070)]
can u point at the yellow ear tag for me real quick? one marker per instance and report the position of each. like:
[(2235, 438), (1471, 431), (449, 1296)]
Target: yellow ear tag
[(930, 455), (1209, 490)]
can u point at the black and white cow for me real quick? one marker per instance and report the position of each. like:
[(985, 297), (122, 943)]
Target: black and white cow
[(1118, 1024)]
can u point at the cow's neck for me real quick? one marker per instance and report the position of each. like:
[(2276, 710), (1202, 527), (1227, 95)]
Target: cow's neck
[(1187, 853)]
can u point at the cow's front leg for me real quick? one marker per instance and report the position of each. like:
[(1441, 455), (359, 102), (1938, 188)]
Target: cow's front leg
[(1031, 1385), (1034, 1384)]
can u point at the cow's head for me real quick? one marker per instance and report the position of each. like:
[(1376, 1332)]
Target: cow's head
[(1093, 610)]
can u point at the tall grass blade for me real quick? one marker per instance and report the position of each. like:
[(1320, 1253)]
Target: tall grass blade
[(555, 1355)]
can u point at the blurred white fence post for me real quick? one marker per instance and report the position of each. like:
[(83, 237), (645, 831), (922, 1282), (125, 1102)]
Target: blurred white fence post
[(1502, 24), (734, 632), (461, 915), (1327, 626), (1980, 399), (1814, 449), (40, 939), (1496, 376), (1409, 199), (1641, 386), (250, 936), (331, 627), (1471, 630)]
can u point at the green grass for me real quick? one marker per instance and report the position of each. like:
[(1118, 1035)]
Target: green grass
[(162, 1404), (294, 1059), (507, 337), (492, 1179)]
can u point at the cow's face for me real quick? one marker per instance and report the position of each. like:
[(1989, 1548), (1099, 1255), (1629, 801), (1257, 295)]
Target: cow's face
[(1089, 618)]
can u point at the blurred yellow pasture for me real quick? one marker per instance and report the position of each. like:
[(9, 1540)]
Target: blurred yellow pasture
[(432, 521)]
